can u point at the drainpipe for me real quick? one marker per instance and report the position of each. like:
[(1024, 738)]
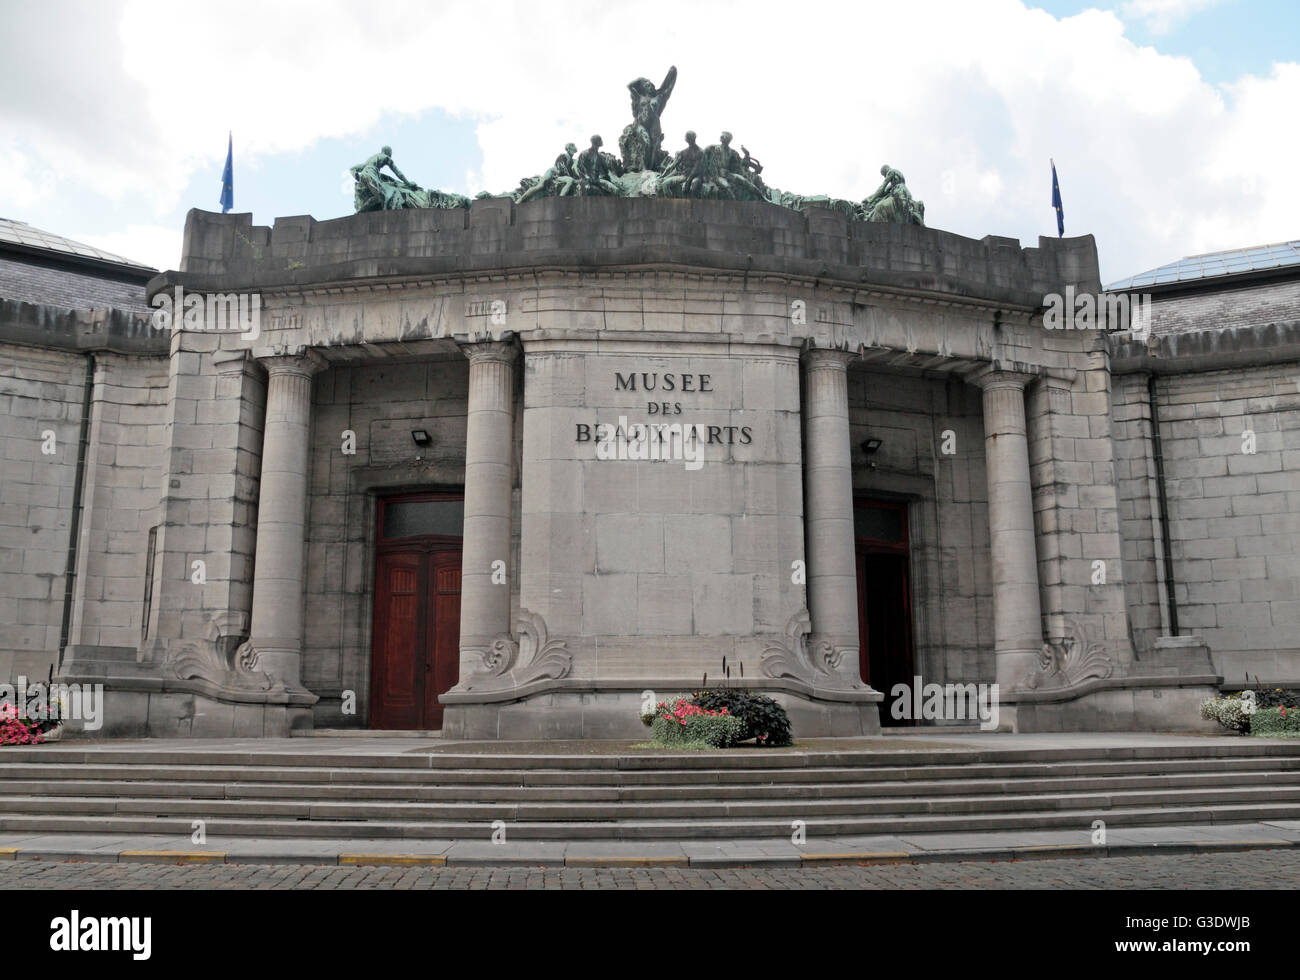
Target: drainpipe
[(1163, 502), (74, 533)]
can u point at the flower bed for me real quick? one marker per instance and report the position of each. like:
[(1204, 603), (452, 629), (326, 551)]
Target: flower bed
[(718, 719), (1232, 712), (681, 723), (1273, 712), (17, 730)]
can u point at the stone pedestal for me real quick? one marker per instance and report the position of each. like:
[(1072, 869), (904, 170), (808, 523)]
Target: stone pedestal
[(277, 614)]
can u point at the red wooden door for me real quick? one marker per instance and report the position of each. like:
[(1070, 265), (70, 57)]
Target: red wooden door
[(444, 632), (397, 696), (415, 654)]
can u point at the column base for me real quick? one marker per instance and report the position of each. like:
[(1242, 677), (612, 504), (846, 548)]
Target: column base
[(1015, 668), (280, 662)]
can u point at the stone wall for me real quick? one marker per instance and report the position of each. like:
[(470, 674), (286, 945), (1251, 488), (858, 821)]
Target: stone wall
[(54, 283), (1251, 305), (661, 567), (1234, 516), (120, 499), (494, 235), (43, 391), (40, 391)]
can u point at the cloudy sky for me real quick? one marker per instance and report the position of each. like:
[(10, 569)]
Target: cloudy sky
[(1173, 123)]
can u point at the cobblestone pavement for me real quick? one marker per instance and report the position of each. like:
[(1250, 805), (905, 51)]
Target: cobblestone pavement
[(1273, 869)]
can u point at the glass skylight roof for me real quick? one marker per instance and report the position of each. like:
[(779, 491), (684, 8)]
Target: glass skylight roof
[(1232, 262), (21, 233)]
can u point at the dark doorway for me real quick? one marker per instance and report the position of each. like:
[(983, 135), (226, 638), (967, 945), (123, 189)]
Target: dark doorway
[(415, 655), (884, 598)]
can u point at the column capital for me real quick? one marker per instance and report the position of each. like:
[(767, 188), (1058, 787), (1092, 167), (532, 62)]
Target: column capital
[(829, 358), (283, 359), (478, 352), (994, 377)]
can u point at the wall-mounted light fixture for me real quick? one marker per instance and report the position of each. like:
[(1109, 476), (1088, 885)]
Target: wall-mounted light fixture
[(421, 437), (869, 448)]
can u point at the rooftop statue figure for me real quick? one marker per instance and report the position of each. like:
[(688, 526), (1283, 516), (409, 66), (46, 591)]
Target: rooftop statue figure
[(559, 181), (376, 191), (682, 177), (727, 175), (893, 202), (642, 141), (595, 170)]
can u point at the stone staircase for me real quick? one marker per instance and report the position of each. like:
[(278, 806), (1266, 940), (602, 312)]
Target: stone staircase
[(445, 794)]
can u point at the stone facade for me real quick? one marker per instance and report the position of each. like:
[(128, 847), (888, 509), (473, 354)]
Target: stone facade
[(521, 343)]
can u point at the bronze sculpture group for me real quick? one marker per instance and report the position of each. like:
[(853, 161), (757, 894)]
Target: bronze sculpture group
[(643, 169)]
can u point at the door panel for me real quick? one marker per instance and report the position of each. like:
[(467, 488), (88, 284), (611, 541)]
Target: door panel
[(444, 640), (397, 686)]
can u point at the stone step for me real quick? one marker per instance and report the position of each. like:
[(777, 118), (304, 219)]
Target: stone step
[(559, 777), (778, 828), (217, 789), (696, 809), (98, 753)]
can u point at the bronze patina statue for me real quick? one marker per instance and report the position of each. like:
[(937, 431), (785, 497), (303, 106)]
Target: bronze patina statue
[(597, 169), (642, 141), (559, 181), (892, 201), (376, 191), (645, 169)]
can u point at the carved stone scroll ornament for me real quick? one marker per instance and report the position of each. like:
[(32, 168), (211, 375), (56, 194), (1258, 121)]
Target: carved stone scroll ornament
[(798, 656), (513, 662), (219, 659), (1068, 661)]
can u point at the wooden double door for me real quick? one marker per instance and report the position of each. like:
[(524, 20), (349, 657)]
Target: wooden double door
[(415, 654)]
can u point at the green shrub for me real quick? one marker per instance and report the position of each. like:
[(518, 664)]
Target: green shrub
[(1277, 722), (680, 721), (1275, 697), (762, 718)]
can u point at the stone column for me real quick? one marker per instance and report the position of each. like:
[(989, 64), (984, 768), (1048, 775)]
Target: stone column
[(489, 453), (1017, 611), (277, 615), (828, 519)]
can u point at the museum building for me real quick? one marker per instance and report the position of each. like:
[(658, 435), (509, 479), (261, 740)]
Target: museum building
[(500, 469)]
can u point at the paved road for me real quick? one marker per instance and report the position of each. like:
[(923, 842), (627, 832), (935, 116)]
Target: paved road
[(1254, 869)]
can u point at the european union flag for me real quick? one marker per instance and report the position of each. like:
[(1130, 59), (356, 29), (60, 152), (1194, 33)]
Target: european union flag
[(1056, 204), (228, 177)]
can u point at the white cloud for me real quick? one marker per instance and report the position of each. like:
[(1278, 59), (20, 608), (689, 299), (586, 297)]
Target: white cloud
[(1159, 16), (155, 245), (968, 100)]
